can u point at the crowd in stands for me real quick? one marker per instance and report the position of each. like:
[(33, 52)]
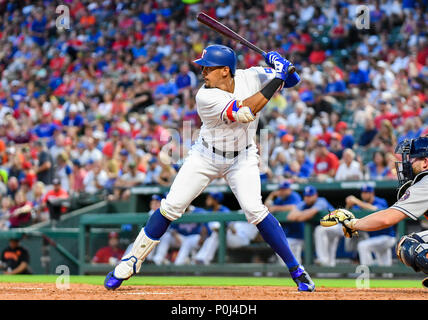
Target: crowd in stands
[(103, 105)]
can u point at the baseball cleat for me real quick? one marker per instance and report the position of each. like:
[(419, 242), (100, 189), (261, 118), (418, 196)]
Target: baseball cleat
[(111, 282), (302, 279)]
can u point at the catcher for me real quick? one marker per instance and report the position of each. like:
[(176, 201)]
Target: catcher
[(412, 201)]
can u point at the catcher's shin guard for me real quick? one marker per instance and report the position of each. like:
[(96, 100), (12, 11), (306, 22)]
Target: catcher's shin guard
[(302, 279), (131, 263)]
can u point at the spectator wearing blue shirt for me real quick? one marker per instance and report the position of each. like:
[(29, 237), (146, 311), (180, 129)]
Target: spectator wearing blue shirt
[(205, 254), (73, 118), (153, 171), (285, 199), (38, 28), (185, 79), (378, 169), (168, 89), (300, 169), (311, 205), (379, 243), (357, 77), (148, 16), (46, 128), (335, 86)]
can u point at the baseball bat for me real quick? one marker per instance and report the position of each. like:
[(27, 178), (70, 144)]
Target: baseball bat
[(221, 28)]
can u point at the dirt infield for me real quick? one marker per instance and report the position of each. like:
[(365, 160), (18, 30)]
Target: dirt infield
[(45, 291)]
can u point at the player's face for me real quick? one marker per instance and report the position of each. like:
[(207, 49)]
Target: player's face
[(214, 75), (419, 165), (284, 192), (367, 196), (310, 200)]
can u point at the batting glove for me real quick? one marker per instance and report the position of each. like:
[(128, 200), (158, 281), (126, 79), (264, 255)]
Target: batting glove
[(281, 66), (244, 115), (271, 57)]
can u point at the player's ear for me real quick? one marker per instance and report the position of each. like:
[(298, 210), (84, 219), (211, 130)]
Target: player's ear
[(226, 71), (425, 165)]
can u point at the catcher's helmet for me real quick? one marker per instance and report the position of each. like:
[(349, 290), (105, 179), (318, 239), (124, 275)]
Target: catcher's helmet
[(218, 55), (409, 149)]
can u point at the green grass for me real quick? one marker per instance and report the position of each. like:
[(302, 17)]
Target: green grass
[(215, 281)]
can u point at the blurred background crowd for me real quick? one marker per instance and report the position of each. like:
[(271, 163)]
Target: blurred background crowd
[(101, 107)]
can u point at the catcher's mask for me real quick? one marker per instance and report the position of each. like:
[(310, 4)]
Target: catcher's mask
[(409, 149)]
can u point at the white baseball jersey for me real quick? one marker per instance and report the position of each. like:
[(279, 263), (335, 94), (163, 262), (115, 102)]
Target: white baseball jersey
[(215, 106), (220, 131), (414, 201)]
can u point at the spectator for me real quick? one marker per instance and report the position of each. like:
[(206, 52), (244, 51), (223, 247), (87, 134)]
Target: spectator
[(368, 134), (5, 205), (377, 169), (20, 212), (349, 169), (57, 201), (130, 178), (385, 138), (15, 258), (110, 254), (96, 177), (78, 173), (45, 167), (326, 163), (64, 171), (41, 213), (282, 154), (153, 172), (336, 145), (301, 169), (91, 152)]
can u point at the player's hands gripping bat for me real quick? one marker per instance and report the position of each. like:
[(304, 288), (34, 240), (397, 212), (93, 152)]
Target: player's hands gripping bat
[(279, 63), (343, 216)]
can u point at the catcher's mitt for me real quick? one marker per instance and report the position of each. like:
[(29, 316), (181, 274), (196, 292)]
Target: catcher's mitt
[(343, 216)]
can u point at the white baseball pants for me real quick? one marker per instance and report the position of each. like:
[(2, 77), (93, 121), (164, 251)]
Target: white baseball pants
[(198, 170)]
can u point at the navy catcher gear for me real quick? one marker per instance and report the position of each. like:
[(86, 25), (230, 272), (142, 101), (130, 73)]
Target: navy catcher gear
[(218, 55), (413, 252)]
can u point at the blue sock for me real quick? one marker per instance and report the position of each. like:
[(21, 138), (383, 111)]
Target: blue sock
[(157, 225), (274, 235)]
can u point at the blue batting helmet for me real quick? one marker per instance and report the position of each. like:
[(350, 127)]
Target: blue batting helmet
[(218, 55)]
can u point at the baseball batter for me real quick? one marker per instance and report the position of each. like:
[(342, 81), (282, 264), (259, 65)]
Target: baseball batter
[(412, 202), (228, 104)]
